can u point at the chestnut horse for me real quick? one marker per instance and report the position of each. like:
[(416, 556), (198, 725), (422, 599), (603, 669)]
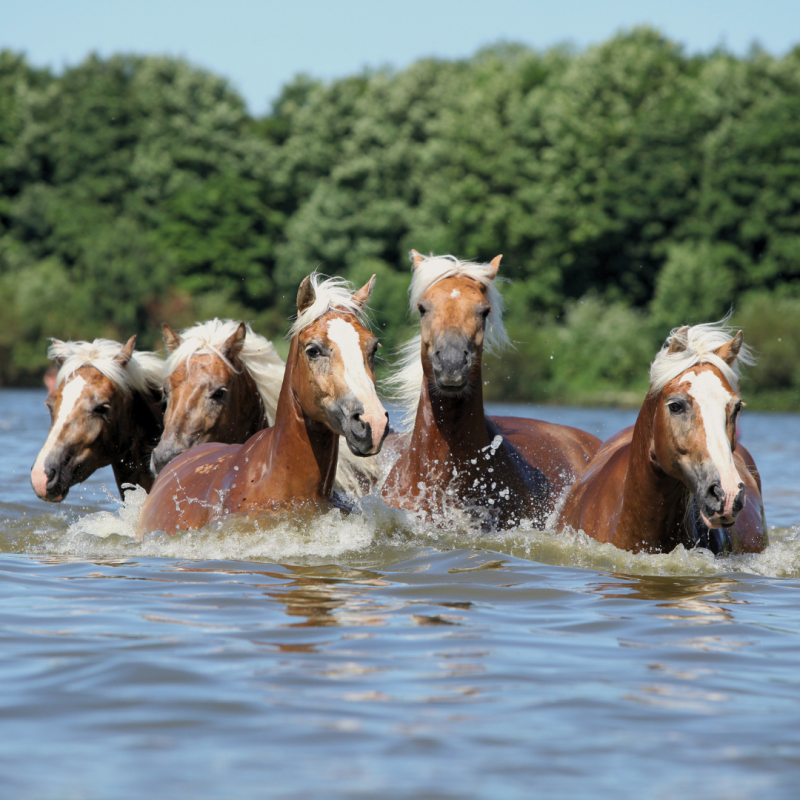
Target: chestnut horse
[(105, 409), (501, 469), (222, 382), (677, 476), (328, 391)]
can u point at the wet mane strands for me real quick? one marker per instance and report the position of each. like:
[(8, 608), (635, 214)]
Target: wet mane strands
[(141, 374), (701, 342), (330, 294)]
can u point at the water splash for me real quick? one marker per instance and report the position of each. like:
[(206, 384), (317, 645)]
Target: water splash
[(373, 535)]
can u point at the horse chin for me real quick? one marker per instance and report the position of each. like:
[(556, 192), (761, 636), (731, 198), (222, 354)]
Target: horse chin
[(451, 389)]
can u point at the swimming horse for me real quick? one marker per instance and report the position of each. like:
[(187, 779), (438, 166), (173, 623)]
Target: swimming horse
[(328, 391), (105, 409), (678, 476), (500, 469), (222, 382)]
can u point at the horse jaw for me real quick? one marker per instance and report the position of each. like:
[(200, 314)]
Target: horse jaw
[(69, 397)]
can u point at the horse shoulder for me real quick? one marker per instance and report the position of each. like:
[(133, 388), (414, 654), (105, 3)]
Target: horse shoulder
[(750, 531), (594, 501), (559, 451), (180, 497)]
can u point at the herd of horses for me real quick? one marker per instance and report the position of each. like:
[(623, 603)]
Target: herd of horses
[(222, 426)]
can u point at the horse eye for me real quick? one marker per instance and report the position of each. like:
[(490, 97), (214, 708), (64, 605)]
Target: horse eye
[(421, 309), (313, 352), (102, 410), (675, 408), (485, 313), (219, 394)]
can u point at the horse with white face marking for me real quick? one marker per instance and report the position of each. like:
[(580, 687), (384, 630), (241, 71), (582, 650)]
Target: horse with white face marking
[(500, 469), (328, 392), (222, 382), (678, 476), (105, 410)]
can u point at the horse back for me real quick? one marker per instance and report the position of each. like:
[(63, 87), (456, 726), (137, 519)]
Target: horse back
[(559, 451), (186, 494)]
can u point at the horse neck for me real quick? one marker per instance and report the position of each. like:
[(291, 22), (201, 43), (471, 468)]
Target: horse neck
[(450, 428), (301, 454), (653, 503), (135, 439), (247, 413)]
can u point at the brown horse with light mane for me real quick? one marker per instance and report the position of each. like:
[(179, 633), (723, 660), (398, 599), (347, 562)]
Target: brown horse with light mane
[(105, 409), (678, 475), (328, 391), (222, 383), (501, 469)]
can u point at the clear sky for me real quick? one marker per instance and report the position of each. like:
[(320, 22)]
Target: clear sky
[(261, 45)]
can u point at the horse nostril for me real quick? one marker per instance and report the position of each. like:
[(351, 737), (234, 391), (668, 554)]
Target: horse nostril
[(715, 491)]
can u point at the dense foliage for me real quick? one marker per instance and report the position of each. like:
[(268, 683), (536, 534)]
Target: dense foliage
[(630, 187)]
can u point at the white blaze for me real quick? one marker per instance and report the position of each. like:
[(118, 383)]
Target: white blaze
[(346, 338), (712, 399), (69, 397)]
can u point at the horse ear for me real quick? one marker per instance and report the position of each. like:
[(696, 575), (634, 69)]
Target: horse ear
[(235, 342), (495, 262), (363, 294), (171, 339), (679, 340), (729, 352), (416, 258), (58, 360), (306, 294), (124, 356)]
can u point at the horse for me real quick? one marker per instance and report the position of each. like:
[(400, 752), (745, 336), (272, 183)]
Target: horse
[(105, 409), (678, 476), (499, 469), (222, 382), (328, 391)]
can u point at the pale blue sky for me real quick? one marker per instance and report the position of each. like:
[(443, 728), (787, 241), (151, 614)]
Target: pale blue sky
[(261, 45)]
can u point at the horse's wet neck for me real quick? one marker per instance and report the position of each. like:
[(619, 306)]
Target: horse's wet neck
[(134, 441), (450, 429), (654, 504), (301, 455)]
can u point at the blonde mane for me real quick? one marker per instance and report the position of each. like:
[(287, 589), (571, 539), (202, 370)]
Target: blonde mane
[(403, 386), (142, 373), (330, 294), (701, 343), (258, 356)]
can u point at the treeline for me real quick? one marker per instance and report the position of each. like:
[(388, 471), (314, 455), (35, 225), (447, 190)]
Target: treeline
[(630, 188)]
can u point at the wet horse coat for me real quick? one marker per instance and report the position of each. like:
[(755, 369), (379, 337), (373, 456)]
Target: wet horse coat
[(328, 391), (678, 476), (502, 469), (105, 410), (222, 383)]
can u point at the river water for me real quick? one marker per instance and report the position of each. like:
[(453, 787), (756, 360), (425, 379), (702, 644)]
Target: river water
[(368, 656)]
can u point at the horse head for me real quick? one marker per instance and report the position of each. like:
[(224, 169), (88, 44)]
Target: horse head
[(211, 395), (694, 427), (455, 301), (90, 409), (332, 363)]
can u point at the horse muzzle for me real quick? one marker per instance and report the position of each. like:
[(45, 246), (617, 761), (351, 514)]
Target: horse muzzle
[(719, 508), (363, 431), (452, 362), (51, 482)]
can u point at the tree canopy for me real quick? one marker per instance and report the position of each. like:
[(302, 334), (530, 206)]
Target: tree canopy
[(630, 187)]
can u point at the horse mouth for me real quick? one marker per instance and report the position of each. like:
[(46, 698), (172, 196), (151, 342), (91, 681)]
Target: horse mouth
[(451, 388)]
